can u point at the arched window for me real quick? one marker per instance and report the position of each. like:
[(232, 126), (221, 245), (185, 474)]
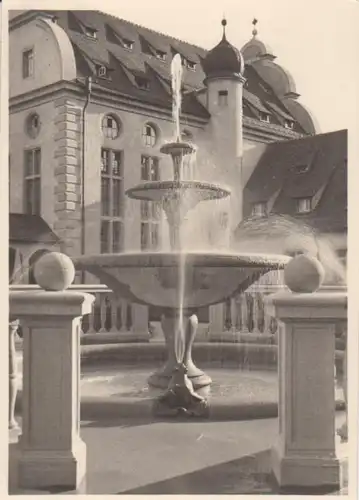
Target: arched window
[(149, 135), (110, 126)]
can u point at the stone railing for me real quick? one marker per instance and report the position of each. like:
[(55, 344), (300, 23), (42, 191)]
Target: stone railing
[(111, 318), (248, 313), (240, 319)]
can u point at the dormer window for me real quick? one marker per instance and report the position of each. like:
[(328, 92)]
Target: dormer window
[(161, 55), (289, 124), (259, 209), (102, 71), (142, 83), (264, 117), (304, 205), (91, 32), (190, 65), (128, 44), (223, 98)]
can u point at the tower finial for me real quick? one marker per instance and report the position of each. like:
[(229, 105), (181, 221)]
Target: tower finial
[(224, 24), (254, 31)]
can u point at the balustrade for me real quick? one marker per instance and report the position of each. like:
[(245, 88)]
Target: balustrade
[(111, 319), (115, 320)]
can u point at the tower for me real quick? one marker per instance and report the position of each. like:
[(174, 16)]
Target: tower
[(224, 67)]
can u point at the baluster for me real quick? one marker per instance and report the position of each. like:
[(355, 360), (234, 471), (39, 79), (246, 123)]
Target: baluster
[(13, 374), (123, 316), (255, 313), (238, 313), (261, 313), (114, 305), (103, 313), (82, 333), (244, 313), (227, 315), (233, 312), (91, 316), (267, 320)]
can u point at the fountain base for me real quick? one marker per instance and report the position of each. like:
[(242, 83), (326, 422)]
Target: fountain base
[(171, 322), (180, 398), (199, 380)]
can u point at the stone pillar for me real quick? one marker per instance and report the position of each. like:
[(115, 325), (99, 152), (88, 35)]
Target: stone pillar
[(139, 330), (216, 322), (304, 454), (50, 452)]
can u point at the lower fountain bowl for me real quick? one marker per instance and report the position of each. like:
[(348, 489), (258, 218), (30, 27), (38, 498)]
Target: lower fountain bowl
[(170, 280)]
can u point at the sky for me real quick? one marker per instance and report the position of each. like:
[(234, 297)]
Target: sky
[(316, 40)]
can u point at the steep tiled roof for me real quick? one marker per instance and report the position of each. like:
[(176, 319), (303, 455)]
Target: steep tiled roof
[(24, 228), (108, 49), (311, 167)]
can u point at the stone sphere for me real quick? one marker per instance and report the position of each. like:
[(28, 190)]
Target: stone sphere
[(304, 274), (54, 272)]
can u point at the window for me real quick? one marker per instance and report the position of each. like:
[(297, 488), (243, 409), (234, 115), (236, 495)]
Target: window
[(161, 55), (259, 210), (110, 126), (102, 71), (128, 44), (32, 170), (223, 97), (91, 32), (188, 64), (149, 168), (150, 211), (32, 125), (149, 135), (289, 124), (112, 201), (264, 117), (304, 205), (142, 83), (27, 63)]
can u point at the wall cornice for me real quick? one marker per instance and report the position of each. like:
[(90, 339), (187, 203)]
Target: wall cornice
[(99, 96)]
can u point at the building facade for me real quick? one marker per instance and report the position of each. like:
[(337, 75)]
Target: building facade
[(90, 106)]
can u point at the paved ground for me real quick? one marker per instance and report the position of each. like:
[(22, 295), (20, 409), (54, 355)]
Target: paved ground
[(134, 456), (130, 452)]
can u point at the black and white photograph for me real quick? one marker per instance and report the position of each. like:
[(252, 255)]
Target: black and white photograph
[(178, 176)]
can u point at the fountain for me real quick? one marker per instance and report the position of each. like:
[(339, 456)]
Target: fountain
[(179, 281)]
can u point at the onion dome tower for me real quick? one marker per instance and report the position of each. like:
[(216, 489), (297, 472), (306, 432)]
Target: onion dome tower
[(224, 60)]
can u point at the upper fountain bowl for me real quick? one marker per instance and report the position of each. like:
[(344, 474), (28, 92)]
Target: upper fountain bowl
[(178, 148), (156, 279), (163, 190)]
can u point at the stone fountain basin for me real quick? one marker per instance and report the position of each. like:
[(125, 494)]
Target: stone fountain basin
[(169, 280)]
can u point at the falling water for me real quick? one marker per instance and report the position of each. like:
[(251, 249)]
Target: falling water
[(176, 74)]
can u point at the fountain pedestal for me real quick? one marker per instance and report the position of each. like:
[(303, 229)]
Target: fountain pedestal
[(179, 347)]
